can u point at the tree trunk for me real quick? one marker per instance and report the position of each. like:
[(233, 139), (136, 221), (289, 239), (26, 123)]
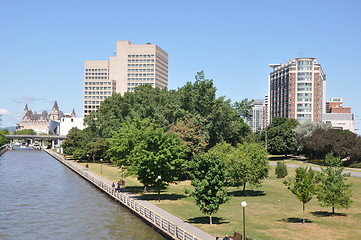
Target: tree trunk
[(303, 213), (333, 210), (244, 188), (145, 189), (210, 219)]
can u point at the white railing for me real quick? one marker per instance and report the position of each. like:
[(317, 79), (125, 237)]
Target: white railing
[(158, 221)]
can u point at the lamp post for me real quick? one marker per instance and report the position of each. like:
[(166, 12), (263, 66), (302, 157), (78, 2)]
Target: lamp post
[(244, 204), (159, 179), (101, 166)]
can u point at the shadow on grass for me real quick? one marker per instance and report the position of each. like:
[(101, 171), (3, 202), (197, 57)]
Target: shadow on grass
[(248, 193), (163, 196), (282, 157), (135, 189), (205, 220), (328, 214), (295, 220)]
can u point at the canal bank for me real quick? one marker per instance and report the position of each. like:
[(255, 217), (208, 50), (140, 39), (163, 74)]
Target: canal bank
[(167, 224), (3, 149)]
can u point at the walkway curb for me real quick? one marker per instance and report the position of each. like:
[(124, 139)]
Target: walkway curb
[(169, 225)]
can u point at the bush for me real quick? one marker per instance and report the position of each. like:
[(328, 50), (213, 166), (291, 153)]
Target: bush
[(281, 170)]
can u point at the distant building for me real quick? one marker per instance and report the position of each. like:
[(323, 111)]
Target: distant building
[(335, 106), (67, 123), (266, 114), (338, 116), (256, 120), (132, 66), (44, 123), (297, 89)]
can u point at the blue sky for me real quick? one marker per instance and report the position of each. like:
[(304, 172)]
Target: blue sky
[(44, 44)]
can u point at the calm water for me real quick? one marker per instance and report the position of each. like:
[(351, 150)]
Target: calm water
[(42, 199)]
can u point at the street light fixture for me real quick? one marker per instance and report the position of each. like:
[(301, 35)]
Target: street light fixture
[(244, 204), (159, 179), (101, 166)]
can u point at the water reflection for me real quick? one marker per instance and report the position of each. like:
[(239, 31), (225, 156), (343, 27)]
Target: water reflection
[(42, 199)]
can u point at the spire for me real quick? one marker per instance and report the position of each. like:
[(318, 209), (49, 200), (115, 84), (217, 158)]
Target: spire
[(55, 107), (26, 109), (73, 113)]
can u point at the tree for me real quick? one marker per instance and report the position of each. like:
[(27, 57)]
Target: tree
[(281, 170), (96, 148), (73, 141), (219, 119), (80, 142), (246, 163), (280, 136), (125, 139), (342, 143), (224, 124), (306, 129), (3, 140), (256, 165), (333, 191), (209, 181), (154, 153), (192, 135), (25, 132), (303, 186), (244, 108)]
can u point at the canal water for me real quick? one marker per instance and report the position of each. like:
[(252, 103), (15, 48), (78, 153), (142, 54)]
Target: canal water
[(42, 199)]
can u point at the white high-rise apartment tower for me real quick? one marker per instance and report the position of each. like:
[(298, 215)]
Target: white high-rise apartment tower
[(297, 89), (132, 66)]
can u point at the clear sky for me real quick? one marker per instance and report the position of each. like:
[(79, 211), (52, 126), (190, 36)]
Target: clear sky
[(43, 45)]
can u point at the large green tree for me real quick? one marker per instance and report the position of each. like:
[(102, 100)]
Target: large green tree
[(215, 117), (305, 130), (149, 151), (280, 136), (245, 164), (125, 139), (209, 181), (334, 191), (303, 186), (192, 134), (158, 154), (343, 144)]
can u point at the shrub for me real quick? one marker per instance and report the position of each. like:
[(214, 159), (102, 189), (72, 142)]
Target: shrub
[(281, 170)]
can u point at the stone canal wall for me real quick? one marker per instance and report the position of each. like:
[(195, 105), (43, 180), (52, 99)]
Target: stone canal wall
[(3, 149), (170, 226)]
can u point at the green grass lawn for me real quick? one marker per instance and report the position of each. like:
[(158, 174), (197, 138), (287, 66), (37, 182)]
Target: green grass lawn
[(273, 212)]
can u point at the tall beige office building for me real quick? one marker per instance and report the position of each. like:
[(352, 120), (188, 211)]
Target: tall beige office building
[(297, 89), (132, 66)]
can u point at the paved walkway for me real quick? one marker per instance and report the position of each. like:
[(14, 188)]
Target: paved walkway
[(196, 232), (354, 173)]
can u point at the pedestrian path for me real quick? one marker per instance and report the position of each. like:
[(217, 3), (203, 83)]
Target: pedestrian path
[(171, 226), (353, 172)]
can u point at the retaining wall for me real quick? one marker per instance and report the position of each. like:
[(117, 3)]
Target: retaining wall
[(3, 149)]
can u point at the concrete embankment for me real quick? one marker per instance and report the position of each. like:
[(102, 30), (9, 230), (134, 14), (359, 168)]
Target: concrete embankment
[(168, 225), (3, 149)]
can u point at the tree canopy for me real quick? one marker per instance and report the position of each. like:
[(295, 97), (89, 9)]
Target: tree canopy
[(209, 181), (343, 144), (303, 186), (280, 137), (246, 163), (334, 191)]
